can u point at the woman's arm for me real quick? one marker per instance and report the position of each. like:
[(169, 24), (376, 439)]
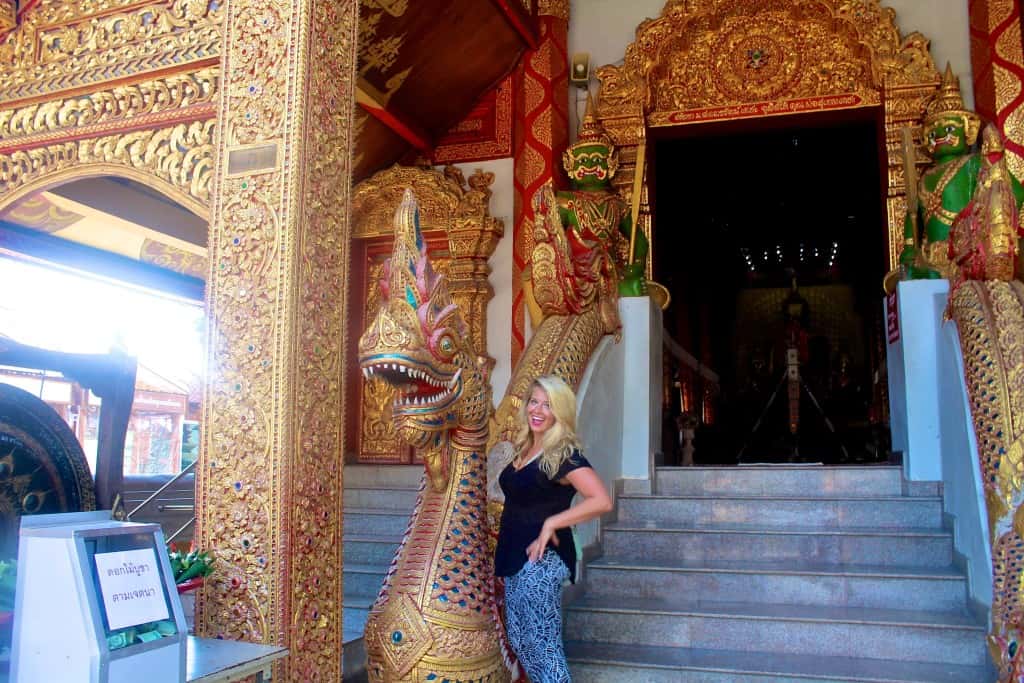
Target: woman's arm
[(596, 501)]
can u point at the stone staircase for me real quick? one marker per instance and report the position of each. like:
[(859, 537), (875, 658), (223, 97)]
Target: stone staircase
[(777, 573), (378, 502)]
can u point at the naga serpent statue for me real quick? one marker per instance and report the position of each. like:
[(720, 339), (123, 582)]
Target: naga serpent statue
[(435, 617), (970, 205)]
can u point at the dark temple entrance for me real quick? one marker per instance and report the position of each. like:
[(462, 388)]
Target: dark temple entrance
[(771, 237)]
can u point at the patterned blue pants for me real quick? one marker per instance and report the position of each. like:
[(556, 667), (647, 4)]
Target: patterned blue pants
[(533, 609)]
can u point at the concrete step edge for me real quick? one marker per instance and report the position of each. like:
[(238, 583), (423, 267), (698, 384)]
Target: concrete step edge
[(378, 511), (936, 620), (887, 532), (370, 538), (380, 569), (816, 499), (777, 468), (745, 663), (858, 571)]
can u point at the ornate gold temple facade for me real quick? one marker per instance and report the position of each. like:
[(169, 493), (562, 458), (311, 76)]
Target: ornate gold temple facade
[(166, 92), (768, 58)]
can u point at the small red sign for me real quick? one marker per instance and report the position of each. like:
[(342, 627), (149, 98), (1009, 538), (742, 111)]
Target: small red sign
[(892, 318)]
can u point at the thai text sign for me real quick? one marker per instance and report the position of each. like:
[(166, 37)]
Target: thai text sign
[(132, 587), (892, 318), (756, 109)]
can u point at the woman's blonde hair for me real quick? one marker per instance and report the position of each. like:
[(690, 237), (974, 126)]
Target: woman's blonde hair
[(560, 440)]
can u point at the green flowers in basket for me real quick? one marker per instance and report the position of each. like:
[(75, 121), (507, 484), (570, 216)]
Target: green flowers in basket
[(8, 581), (189, 565)]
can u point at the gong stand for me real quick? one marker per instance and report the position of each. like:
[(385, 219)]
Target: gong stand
[(111, 377)]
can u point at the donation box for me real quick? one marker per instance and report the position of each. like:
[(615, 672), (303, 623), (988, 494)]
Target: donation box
[(95, 603)]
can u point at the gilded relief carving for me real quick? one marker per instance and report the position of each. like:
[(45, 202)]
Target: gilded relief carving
[(18, 125), (733, 59), (177, 161), (65, 45), (269, 497), (75, 100)]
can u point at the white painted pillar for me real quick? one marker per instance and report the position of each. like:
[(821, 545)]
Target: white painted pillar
[(915, 365), (641, 391)]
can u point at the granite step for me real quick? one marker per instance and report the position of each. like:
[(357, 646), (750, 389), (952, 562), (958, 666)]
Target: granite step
[(376, 522), (828, 513), (781, 583), (355, 610), (383, 476), (364, 579), (953, 637), (369, 549), (611, 663), (382, 498), (785, 480), (907, 546)]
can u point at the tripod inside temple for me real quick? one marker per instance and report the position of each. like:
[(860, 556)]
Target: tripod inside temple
[(796, 314)]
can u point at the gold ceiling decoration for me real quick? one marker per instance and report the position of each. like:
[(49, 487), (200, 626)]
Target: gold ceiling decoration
[(8, 15), (39, 213), (380, 52), (723, 60)]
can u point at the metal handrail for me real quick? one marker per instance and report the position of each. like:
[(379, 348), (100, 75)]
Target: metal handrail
[(183, 527), (176, 508), (163, 488)]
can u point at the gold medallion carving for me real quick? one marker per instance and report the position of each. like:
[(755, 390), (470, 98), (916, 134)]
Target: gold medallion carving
[(734, 59)]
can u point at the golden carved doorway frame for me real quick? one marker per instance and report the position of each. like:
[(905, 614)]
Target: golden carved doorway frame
[(734, 60)]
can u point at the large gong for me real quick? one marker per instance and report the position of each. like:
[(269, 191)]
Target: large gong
[(42, 467)]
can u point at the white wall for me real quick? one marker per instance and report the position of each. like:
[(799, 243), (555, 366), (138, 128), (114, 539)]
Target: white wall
[(963, 498), (599, 422), (499, 310), (619, 405), (931, 422)]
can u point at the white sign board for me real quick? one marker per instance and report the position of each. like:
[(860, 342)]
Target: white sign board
[(132, 589)]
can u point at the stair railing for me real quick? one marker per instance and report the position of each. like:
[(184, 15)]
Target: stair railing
[(169, 507)]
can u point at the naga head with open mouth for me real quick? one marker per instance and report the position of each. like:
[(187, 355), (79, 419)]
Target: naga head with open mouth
[(419, 345)]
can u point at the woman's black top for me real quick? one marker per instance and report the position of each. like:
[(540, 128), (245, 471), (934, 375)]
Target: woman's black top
[(530, 498)]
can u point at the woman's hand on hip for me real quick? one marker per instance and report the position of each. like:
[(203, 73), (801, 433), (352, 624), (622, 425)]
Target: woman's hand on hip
[(535, 550)]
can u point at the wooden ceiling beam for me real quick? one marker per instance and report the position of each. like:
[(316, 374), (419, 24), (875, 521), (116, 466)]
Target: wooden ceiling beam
[(404, 127), (519, 19)]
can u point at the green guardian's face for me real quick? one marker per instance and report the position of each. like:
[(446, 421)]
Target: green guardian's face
[(590, 166), (947, 137)]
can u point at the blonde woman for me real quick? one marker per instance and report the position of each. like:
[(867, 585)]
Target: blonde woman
[(535, 547)]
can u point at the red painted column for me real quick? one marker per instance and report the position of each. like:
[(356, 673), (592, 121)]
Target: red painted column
[(997, 62), (541, 134)]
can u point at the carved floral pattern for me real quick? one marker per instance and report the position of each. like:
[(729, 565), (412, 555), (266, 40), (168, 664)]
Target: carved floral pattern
[(63, 45), (111, 86), (269, 491)]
